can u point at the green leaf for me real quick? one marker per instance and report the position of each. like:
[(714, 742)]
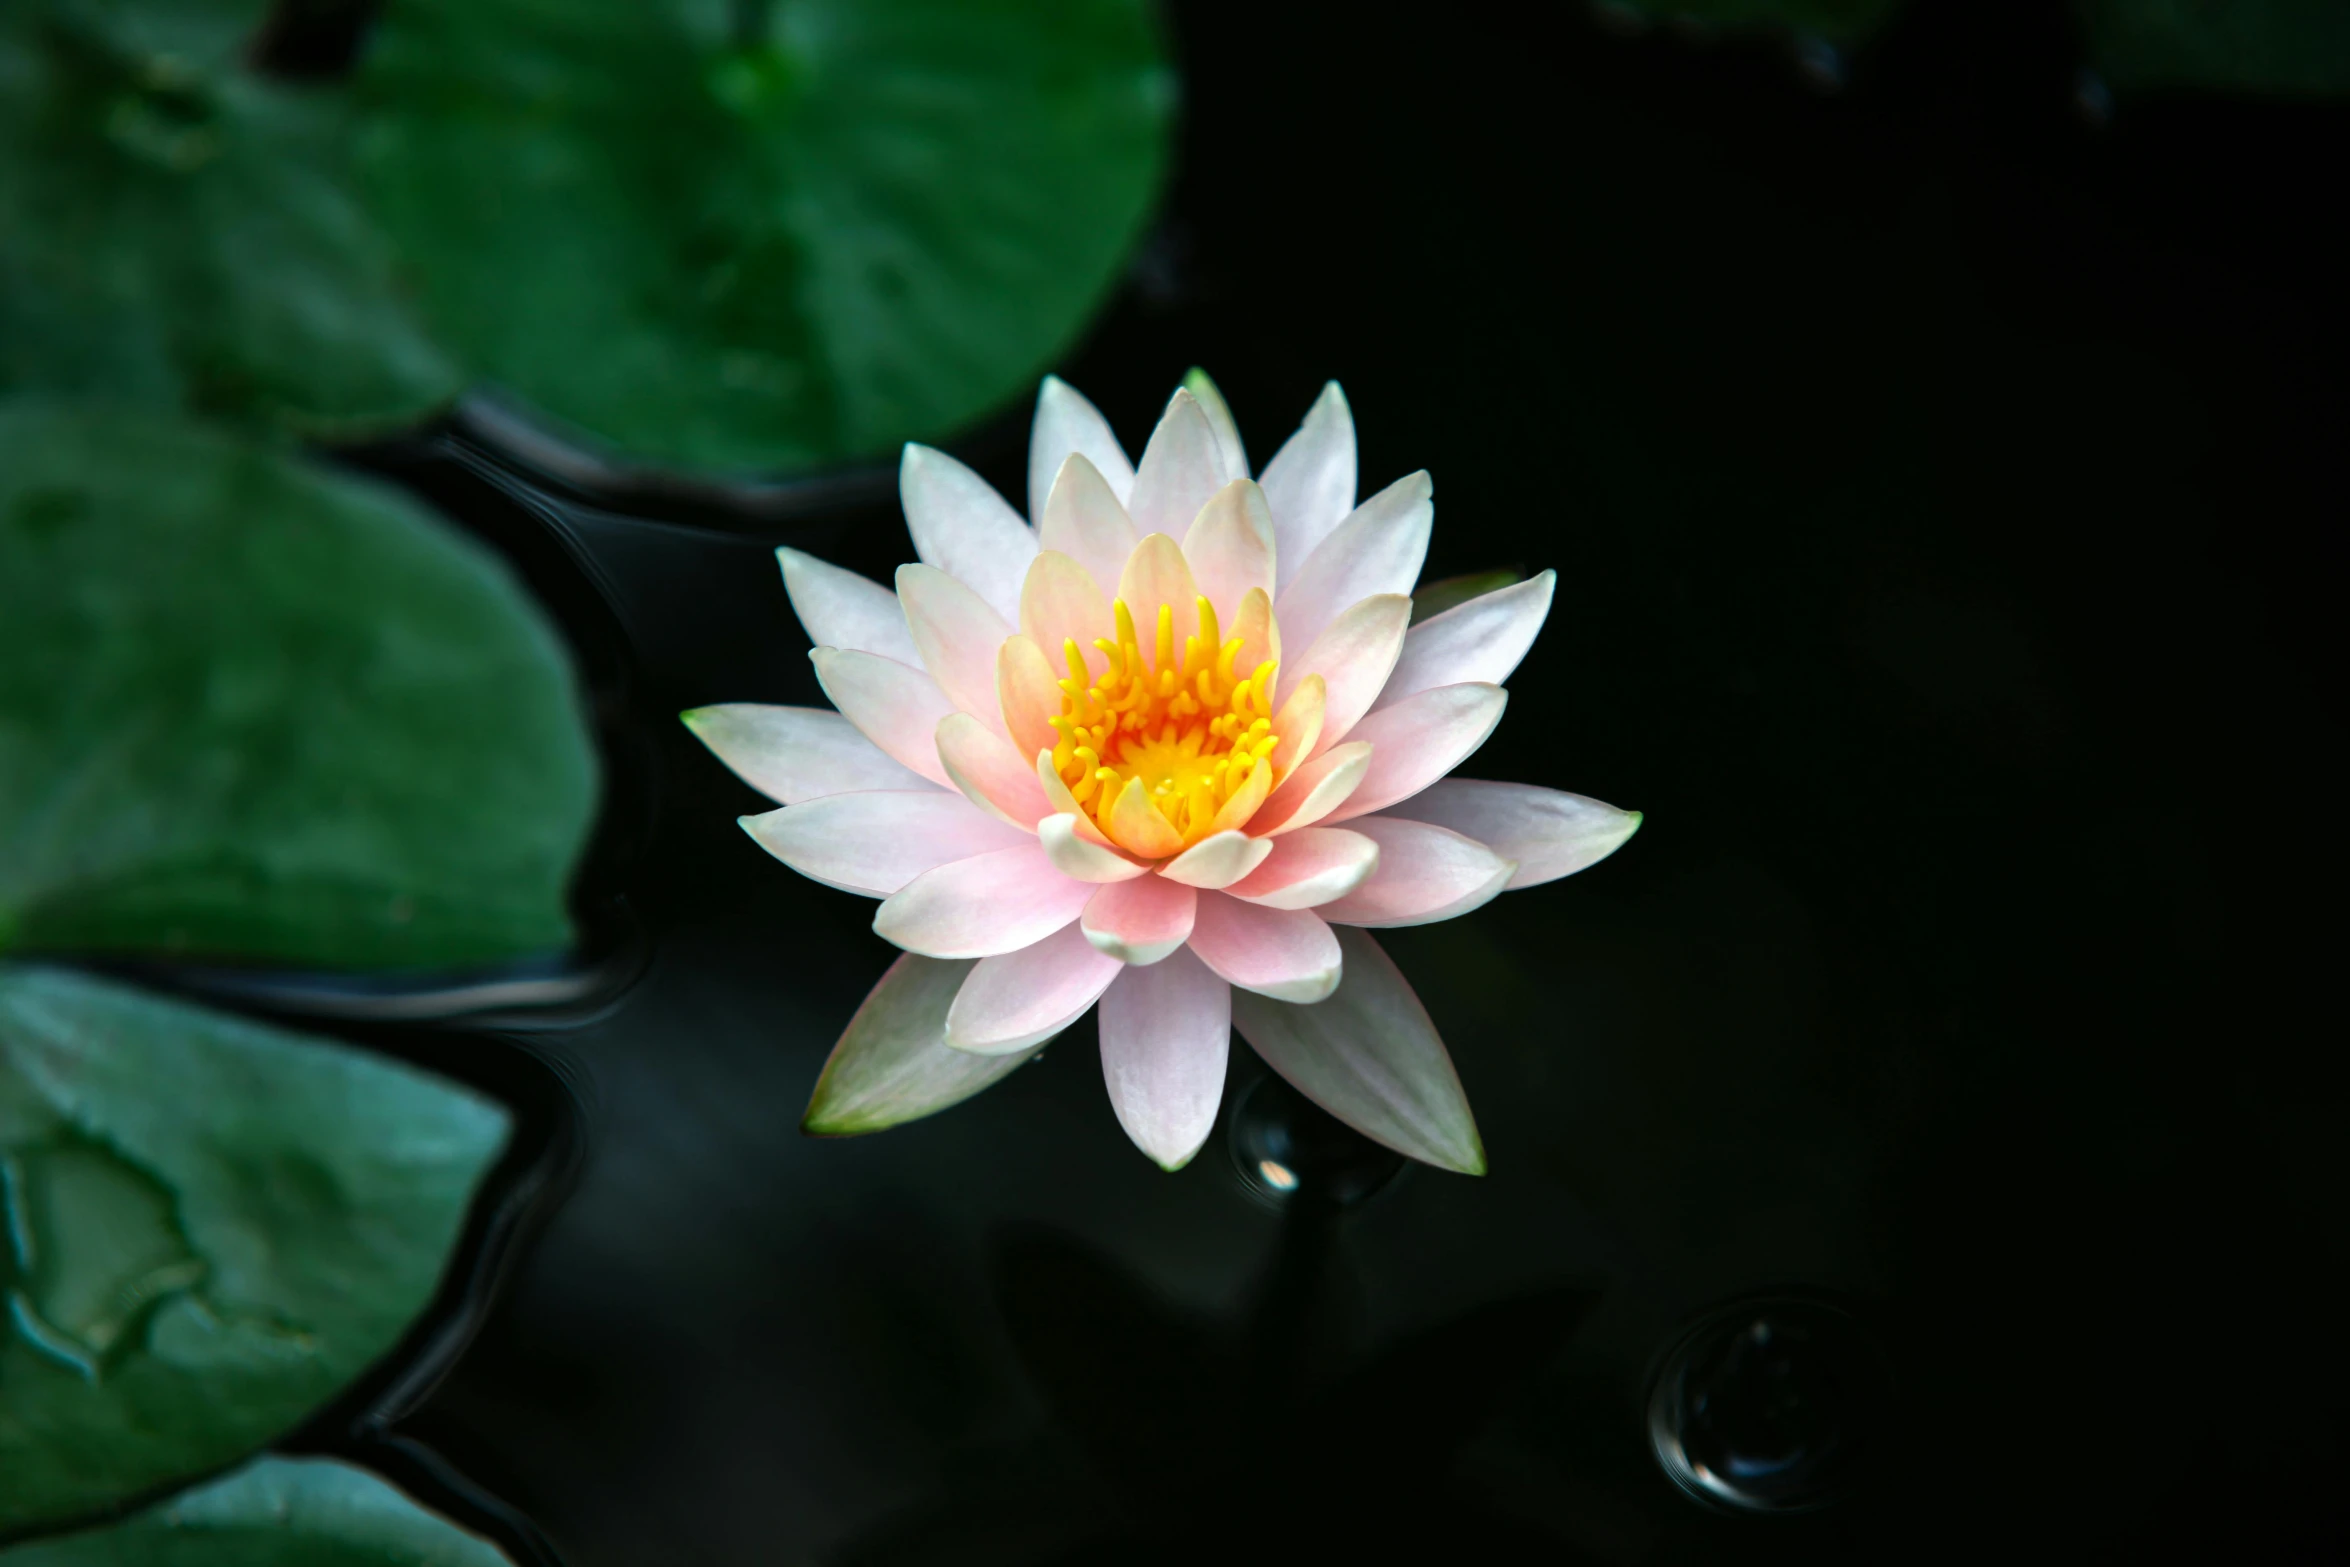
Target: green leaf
[(893, 1063), (274, 1512), (1370, 1056), (252, 709), (210, 1228), (1842, 21), (756, 235), (2289, 48), (1434, 598), (174, 232)]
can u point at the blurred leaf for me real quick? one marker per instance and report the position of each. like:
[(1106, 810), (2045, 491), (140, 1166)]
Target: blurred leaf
[(753, 235), (1841, 21), (253, 709), (211, 1228), (2296, 48), (1434, 598), (172, 232), (274, 1512)]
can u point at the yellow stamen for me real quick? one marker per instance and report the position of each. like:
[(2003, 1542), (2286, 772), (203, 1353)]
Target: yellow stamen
[(1188, 725)]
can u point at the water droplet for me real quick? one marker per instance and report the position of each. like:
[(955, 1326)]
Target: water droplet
[(1767, 1406), (1285, 1147)]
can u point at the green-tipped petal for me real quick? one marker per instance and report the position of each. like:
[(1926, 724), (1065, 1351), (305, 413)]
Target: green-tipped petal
[(893, 1063), (1370, 1056), (1219, 412), (1549, 832)]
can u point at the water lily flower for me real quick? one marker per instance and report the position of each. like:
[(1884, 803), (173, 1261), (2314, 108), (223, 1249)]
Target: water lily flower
[(1170, 745)]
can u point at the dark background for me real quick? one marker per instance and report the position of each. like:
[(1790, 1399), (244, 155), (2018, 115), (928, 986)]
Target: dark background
[(1943, 469)]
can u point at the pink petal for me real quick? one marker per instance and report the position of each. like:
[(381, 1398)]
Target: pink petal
[(1377, 549), (1028, 693), (1084, 520), (1165, 1032), (841, 609), (1418, 741), (989, 771), (1218, 860), (962, 526), (1017, 1001), (1479, 642), (1079, 857), (975, 908), (875, 843), (792, 754), (1298, 721), (1315, 790), (1549, 832), (1230, 545), (1309, 868), (1311, 480), (1370, 1056), (892, 1064), (1066, 426), (1156, 573), (1219, 412), (958, 636), (1060, 604), (1288, 954), (1139, 921), (895, 707), (1180, 468), (1425, 874), (1353, 656)]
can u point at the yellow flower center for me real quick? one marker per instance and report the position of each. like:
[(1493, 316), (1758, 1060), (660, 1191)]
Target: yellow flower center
[(1188, 732)]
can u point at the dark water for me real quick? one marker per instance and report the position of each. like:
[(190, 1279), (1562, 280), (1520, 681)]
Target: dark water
[(1928, 1127)]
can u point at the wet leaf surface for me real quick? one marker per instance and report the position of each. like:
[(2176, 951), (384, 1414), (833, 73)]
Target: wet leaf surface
[(253, 710), (211, 1228), (763, 236)]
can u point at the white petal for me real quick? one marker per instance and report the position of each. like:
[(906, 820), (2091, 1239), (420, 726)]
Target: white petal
[(1309, 868), (1140, 921), (959, 637), (838, 608), (1377, 549), (1086, 522), (1481, 640), (976, 908), (1219, 412), (964, 528), (1426, 873), (1218, 860), (1180, 468), (1311, 480), (875, 843), (892, 1064), (1165, 1032), (790, 754), (1067, 424), (895, 707), (1370, 1056), (1418, 741), (1018, 1000), (1230, 545), (1080, 858), (1354, 656), (1549, 832)]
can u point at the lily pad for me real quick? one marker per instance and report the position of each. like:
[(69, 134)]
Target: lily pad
[(763, 235), (211, 1228), (274, 1512), (176, 233), (251, 709), (2288, 48)]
